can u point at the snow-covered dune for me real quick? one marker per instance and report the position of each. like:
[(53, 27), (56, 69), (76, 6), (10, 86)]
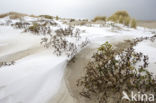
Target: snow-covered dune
[(37, 73)]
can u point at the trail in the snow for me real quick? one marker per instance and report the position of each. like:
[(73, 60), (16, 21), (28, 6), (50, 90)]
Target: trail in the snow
[(69, 92)]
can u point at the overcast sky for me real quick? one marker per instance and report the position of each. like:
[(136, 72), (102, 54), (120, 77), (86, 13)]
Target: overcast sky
[(139, 9)]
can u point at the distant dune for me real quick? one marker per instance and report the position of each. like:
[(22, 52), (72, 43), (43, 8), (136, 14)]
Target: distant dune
[(148, 24)]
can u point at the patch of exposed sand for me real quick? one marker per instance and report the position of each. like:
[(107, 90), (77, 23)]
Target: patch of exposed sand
[(20, 54), (69, 92), (75, 71)]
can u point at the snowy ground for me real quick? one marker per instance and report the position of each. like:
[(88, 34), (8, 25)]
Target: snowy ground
[(37, 73)]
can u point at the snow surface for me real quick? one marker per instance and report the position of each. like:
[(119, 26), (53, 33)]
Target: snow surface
[(148, 48), (36, 77)]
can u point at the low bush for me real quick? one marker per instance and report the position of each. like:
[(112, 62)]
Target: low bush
[(65, 32), (21, 25), (48, 23), (38, 29), (86, 20), (4, 63), (69, 31), (61, 45), (110, 72), (46, 16), (72, 20), (34, 28)]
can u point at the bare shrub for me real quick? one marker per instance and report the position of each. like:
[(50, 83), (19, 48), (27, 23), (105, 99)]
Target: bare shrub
[(110, 72), (72, 20), (46, 16), (65, 32), (84, 43), (38, 29), (69, 31), (48, 23), (60, 44), (34, 28), (4, 63), (76, 34), (42, 26), (85, 20), (153, 38), (20, 25)]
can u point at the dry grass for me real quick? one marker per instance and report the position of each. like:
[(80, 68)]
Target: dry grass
[(12, 15), (119, 16), (133, 23), (15, 15), (123, 17), (34, 16), (99, 18), (3, 15)]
